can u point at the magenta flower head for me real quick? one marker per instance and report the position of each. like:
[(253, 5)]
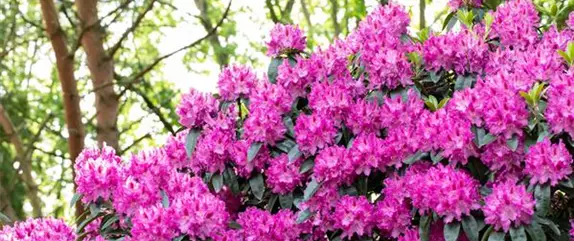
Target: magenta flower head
[(571, 221), (570, 21), (175, 150), (259, 224), (283, 176), (286, 39), (449, 192), (366, 154), (456, 4), (298, 77), (412, 234), (264, 124), (548, 163), (48, 229), (153, 223), (195, 107), (314, 132), (97, 173), (509, 205), (353, 215), (239, 157), (200, 216), (560, 109), (515, 23), (332, 165), (236, 81)]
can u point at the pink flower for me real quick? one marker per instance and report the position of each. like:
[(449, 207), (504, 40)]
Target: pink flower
[(133, 194), (212, 151), (462, 52), (497, 156), (153, 223), (456, 138), (353, 215), (509, 205), (38, 229), (298, 77), (283, 176), (393, 213), (332, 165), (547, 162), (239, 157), (365, 153), (364, 117), (236, 81), (200, 216), (97, 173), (412, 234), (195, 107), (560, 109), (269, 95), (515, 23), (331, 99), (570, 22), (175, 150), (261, 225), (571, 221), (314, 132), (456, 4), (286, 39), (264, 124), (449, 192)]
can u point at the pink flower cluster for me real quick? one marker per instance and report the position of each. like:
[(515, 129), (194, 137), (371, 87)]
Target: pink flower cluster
[(509, 205), (449, 192), (456, 4), (560, 109), (353, 215), (195, 108), (235, 82), (462, 52), (314, 132), (38, 229), (261, 225), (285, 39), (283, 176), (515, 23), (97, 173), (548, 163)]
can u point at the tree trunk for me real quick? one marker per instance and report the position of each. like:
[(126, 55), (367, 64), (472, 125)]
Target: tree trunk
[(222, 58), (24, 161), (71, 99), (422, 20), (101, 68)]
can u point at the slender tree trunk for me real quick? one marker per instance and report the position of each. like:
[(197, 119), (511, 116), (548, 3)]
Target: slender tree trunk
[(101, 68), (422, 20), (334, 11), (6, 204), (222, 58), (71, 99), (25, 162)]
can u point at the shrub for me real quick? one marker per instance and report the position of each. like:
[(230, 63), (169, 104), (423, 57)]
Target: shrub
[(466, 135)]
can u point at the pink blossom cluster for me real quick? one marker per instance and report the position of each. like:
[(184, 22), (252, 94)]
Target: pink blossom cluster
[(97, 173), (560, 109), (285, 39), (509, 205), (314, 132), (462, 52), (515, 23), (261, 225), (449, 192), (283, 176), (236, 81), (297, 78), (38, 229), (353, 215), (456, 4), (548, 163), (195, 108)]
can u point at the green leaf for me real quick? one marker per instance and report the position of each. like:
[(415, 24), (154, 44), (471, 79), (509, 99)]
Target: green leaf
[(311, 189), (294, 153), (483, 138), (518, 234), (470, 227), (286, 201), (234, 225), (257, 185), (443, 102), (271, 203), (285, 145), (217, 182), (496, 236), (436, 157), (253, 150), (230, 179), (4, 218), (527, 97), (448, 19), (568, 183), (303, 216), (548, 223), (415, 157), (512, 143), (424, 227), (542, 196), (272, 71), (463, 82), (180, 237), (289, 124), (164, 199), (307, 166), (191, 141), (451, 231), (109, 222), (535, 231), (75, 199)]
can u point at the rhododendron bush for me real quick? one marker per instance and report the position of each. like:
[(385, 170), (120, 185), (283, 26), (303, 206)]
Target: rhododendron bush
[(464, 135)]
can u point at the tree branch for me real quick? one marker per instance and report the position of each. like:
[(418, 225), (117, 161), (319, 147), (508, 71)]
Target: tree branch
[(136, 78), (334, 10), (137, 141), (155, 110), (274, 17), (135, 24)]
